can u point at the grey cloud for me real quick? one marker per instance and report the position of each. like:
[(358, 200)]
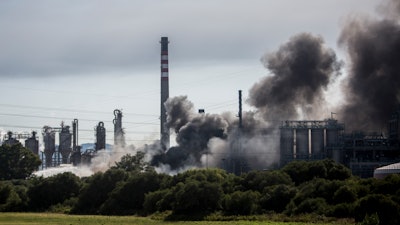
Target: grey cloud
[(74, 37)]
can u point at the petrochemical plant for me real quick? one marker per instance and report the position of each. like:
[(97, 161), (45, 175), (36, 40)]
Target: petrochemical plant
[(361, 152), (68, 150), (299, 139)]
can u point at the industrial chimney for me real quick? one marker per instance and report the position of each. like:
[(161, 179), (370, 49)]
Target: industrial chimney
[(164, 93)]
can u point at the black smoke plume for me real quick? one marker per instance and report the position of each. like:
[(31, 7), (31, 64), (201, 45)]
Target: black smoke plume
[(193, 132), (373, 85), (179, 111), (300, 71)]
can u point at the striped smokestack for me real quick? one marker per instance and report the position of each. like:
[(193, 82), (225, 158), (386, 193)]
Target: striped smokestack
[(164, 93)]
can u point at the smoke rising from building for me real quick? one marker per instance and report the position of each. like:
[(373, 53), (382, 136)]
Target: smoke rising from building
[(179, 111), (213, 139), (301, 70), (372, 88)]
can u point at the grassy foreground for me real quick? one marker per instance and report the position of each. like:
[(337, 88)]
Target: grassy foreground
[(62, 219)]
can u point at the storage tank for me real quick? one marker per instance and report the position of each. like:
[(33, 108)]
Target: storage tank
[(384, 171), (317, 143), (302, 143), (332, 137), (32, 143), (10, 139), (49, 139), (333, 132), (286, 145), (65, 143)]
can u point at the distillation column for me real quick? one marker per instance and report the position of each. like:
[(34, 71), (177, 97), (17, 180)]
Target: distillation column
[(119, 136)]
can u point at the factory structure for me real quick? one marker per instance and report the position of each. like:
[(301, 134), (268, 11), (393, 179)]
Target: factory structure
[(361, 152), (306, 140), (164, 136), (68, 151)]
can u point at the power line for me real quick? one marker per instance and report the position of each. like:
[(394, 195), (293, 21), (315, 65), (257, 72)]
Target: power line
[(73, 110), (64, 118)]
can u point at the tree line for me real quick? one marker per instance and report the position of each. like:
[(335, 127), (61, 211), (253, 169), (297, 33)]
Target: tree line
[(133, 187)]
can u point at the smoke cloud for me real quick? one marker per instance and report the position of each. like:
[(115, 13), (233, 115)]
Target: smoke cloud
[(301, 70), (215, 140), (372, 88), (179, 109)]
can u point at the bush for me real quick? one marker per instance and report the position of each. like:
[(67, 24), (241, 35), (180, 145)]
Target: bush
[(196, 197), (258, 180), (128, 197), (343, 210), (345, 194), (276, 197), (312, 205), (9, 198), (45, 192), (386, 209), (96, 190), (242, 203), (158, 201)]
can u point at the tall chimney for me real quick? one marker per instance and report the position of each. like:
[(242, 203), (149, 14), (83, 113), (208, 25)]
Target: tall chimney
[(164, 93)]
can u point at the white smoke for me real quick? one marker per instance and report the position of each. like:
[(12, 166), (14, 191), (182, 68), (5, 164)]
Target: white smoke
[(102, 161), (81, 171)]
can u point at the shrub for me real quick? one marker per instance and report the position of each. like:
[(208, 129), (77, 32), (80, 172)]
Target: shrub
[(242, 203)]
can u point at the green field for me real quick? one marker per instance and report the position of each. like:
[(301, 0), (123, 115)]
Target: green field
[(62, 219)]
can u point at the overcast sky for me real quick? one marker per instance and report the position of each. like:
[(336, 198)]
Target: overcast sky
[(61, 60)]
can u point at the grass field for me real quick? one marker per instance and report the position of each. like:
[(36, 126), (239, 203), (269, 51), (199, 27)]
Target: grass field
[(62, 219)]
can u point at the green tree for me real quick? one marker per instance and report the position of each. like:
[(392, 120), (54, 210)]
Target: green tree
[(96, 191), (345, 194), (134, 163), (302, 171), (158, 201), (336, 171), (9, 198), (276, 197), (258, 180), (387, 210), (196, 197), (128, 197), (242, 203), (56, 189), (17, 162)]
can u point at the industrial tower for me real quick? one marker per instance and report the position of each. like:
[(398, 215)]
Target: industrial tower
[(164, 93), (119, 136)]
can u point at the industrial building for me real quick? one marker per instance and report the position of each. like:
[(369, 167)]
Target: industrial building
[(361, 152), (68, 150)]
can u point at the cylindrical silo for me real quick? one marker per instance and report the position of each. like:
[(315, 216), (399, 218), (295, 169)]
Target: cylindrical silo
[(65, 144), (332, 137), (317, 143), (302, 143), (286, 145), (32, 143), (49, 139)]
